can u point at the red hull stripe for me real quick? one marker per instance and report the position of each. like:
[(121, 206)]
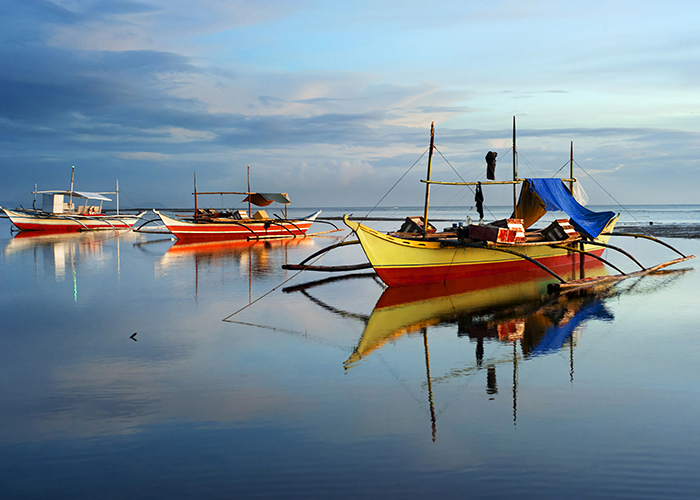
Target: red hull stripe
[(232, 232), (67, 228), (402, 276)]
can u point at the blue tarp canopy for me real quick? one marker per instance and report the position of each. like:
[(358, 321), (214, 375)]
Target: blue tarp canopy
[(556, 197)]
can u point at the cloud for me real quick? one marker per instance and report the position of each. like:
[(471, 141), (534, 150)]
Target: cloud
[(156, 87)]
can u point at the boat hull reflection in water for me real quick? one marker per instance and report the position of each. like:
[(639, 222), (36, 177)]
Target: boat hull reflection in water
[(519, 295)]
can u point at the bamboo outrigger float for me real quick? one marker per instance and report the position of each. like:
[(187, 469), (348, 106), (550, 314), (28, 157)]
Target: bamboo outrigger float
[(418, 254)]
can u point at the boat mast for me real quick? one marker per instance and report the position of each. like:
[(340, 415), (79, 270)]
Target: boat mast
[(117, 196), (427, 186), (195, 196), (571, 169), (72, 174), (249, 193), (515, 175)]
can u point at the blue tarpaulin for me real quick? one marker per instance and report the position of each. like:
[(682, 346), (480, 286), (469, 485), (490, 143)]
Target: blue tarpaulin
[(555, 197)]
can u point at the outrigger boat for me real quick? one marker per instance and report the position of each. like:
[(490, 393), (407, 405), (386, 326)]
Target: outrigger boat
[(418, 254), (210, 224), (57, 215)]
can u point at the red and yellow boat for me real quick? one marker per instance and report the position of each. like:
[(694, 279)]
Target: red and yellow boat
[(417, 254)]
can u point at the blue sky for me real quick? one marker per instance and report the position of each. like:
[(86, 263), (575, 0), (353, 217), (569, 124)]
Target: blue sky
[(332, 101)]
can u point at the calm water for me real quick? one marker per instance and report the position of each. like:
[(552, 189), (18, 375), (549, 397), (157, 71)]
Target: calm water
[(341, 390)]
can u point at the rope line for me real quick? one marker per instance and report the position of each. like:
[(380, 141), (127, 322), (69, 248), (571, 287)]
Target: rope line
[(462, 178), (395, 184), (321, 256), (613, 198)]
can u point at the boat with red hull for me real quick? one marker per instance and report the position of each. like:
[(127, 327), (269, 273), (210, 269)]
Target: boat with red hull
[(226, 227), (70, 211), (214, 224), (418, 254)]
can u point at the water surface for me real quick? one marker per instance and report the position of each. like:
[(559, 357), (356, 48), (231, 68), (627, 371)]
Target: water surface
[(342, 390)]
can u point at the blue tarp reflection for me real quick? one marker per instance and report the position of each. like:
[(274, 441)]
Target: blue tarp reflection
[(556, 335)]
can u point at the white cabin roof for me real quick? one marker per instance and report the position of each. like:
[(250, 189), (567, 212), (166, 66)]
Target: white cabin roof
[(79, 194)]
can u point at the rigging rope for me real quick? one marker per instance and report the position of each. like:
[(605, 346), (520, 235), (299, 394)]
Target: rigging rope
[(395, 184), (461, 178), (613, 198), (320, 256)]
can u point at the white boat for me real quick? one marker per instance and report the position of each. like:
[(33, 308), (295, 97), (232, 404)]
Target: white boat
[(69, 211)]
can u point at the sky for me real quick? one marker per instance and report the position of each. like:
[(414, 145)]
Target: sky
[(332, 101)]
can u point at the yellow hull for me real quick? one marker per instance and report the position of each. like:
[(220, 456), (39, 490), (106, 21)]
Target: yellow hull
[(400, 261)]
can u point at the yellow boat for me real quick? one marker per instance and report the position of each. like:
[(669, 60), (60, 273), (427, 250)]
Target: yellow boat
[(416, 254)]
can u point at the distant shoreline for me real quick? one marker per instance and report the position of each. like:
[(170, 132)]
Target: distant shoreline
[(687, 231)]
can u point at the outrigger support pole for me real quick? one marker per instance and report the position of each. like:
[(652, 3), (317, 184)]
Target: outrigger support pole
[(329, 269), (590, 254), (607, 245), (635, 235), (519, 254), (328, 249)]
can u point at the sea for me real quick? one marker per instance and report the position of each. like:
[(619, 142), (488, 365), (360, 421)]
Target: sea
[(133, 366)]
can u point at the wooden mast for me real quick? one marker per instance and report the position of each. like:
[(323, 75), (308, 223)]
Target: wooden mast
[(195, 196), (571, 169), (70, 200), (427, 186), (515, 175), (249, 193)]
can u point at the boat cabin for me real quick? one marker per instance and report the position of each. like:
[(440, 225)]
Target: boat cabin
[(54, 202)]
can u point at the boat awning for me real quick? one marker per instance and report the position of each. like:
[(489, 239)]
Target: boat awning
[(79, 194), (539, 196), (264, 199), (91, 196)]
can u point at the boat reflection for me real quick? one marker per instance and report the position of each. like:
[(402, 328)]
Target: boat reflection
[(252, 259), (494, 307), (512, 308), (60, 254), (260, 257)]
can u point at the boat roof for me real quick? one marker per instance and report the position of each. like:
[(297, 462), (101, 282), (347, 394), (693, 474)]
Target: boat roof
[(264, 199), (79, 194), (539, 196)]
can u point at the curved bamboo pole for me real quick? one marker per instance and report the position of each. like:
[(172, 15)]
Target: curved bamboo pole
[(521, 255), (607, 245), (590, 254), (645, 236), (328, 249)]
